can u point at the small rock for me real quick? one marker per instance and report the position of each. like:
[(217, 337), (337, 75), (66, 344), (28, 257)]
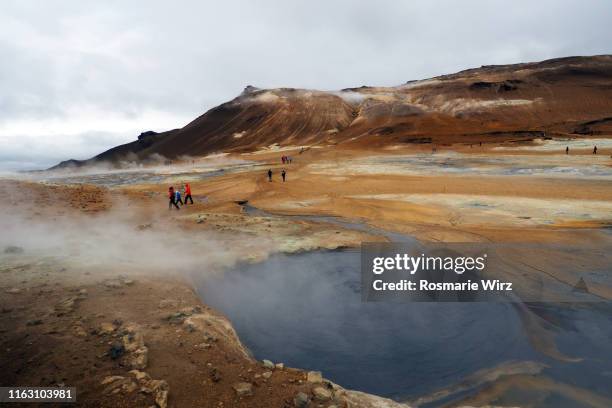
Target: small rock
[(140, 376), (322, 394), (581, 286), (168, 303), (140, 358), (267, 374), (112, 284), (111, 379), (243, 389), (202, 346), (106, 328), (34, 322), (279, 366), (116, 350), (215, 376), (161, 389), (133, 340), (178, 317), (129, 387), (65, 305), (161, 398), (314, 377), (13, 291), (268, 364), (158, 387), (301, 400), (79, 331)]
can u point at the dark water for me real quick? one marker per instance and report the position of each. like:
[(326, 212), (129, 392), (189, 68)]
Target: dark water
[(305, 310)]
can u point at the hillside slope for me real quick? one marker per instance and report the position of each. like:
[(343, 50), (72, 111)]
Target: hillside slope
[(564, 96)]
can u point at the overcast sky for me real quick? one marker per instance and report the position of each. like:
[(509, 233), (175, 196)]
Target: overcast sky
[(78, 77)]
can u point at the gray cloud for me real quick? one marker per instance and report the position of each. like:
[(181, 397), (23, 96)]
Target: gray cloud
[(128, 60)]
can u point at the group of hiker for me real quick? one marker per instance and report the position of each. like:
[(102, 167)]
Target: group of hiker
[(283, 175), (284, 160), (175, 196), (567, 149)]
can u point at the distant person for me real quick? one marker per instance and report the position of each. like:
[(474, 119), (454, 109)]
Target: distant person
[(270, 175), (188, 193), (172, 196), (177, 197), (284, 175), (595, 150)]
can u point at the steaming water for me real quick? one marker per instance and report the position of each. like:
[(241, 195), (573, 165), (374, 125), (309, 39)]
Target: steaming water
[(305, 310), (127, 178), (144, 175)]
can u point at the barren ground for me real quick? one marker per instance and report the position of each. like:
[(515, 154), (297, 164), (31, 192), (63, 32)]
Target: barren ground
[(61, 321)]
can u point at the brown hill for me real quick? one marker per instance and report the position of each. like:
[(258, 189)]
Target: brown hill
[(492, 103)]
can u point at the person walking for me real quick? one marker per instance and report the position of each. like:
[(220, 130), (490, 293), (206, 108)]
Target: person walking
[(283, 174), (177, 197), (595, 150), (188, 193), (171, 197), (269, 174), (566, 149)]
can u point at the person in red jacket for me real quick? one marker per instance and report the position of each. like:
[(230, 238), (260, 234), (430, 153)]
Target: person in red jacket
[(172, 200), (187, 193)]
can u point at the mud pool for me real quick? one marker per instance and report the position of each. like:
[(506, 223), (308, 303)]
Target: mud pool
[(305, 310)]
